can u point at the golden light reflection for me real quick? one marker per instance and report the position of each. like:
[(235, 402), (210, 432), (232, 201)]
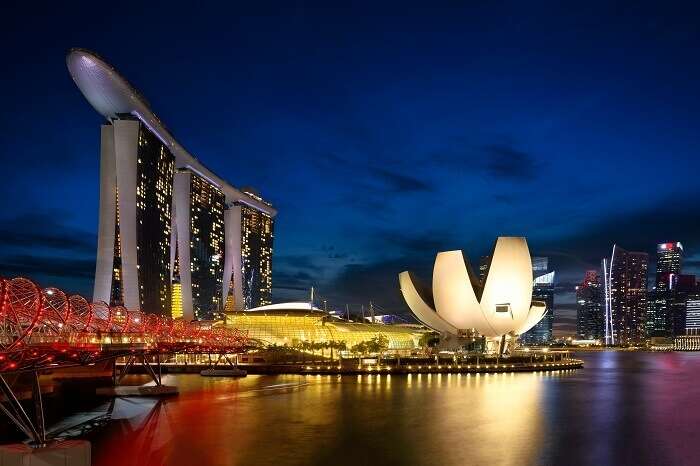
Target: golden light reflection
[(497, 409), (458, 418)]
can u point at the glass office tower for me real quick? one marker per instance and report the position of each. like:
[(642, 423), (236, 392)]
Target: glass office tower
[(542, 290), (625, 287), (669, 261), (589, 307)]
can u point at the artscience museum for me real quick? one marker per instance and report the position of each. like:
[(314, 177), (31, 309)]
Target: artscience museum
[(498, 307)]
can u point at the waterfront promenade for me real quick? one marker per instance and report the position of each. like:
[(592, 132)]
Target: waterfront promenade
[(296, 363)]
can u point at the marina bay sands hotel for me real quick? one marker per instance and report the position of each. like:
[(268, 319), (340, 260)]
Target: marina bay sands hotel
[(175, 239)]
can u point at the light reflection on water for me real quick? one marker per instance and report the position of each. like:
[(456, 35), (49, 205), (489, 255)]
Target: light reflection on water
[(623, 408)]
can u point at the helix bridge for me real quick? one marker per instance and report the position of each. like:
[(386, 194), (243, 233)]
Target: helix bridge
[(44, 329)]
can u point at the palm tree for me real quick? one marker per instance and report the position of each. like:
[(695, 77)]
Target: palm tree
[(378, 345), (316, 346), (304, 346), (360, 348), (331, 345), (340, 346)]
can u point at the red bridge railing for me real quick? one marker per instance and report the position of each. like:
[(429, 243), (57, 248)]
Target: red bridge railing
[(43, 328)]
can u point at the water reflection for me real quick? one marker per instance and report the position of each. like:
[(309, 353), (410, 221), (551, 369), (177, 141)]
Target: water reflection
[(589, 416)]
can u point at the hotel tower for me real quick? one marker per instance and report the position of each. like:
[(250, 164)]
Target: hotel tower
[(174, 238)]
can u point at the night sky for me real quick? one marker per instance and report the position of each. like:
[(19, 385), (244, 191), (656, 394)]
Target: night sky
[(382, 134)]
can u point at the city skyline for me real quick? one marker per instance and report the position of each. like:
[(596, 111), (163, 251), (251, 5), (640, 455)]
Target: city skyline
[(311, 233), (356, 140)]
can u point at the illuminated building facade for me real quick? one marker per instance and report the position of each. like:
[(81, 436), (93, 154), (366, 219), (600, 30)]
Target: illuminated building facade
[(257, 234), (176, 306), (690, 340), (542, 290), (625, 288), (500, 307), (589, 307), (669, 261), (174, 238), (692, 309), (289, 324), (684, 287), (136, 189), (199, 216), (667, 301), (659, 322)]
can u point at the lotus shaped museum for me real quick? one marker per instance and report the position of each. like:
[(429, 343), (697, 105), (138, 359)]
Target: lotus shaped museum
[(460, 303)]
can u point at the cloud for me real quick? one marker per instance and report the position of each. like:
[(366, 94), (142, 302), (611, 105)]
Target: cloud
[(640, 230), (508, 199), (411, 244), (373, 281), (369, 177), (365, 202), (72, 275), (292, 280), (44, 231), (40, 247), (399, 183), (501, 161), (293, 272), (506, 163), (377, 280), (32, 266), (296, 261)]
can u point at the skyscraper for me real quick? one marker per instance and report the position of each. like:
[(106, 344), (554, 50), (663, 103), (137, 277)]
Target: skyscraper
[(589, 312), (542, 290), (692, 320), (659, 322), (133, 244), (669, 261), (174, 238), (625, 287), (667, 300), (199, 215), (257, 234), (684, 288), (690, 339)]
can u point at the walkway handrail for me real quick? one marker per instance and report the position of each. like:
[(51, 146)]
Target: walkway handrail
[(37, 326)]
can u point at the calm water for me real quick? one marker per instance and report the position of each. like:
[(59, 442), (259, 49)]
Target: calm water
[(623, 408)]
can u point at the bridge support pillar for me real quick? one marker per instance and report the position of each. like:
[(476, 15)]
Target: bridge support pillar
[(138, 390), (66, 453)]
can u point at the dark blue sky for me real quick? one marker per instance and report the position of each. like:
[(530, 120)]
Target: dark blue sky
[(382, 134)]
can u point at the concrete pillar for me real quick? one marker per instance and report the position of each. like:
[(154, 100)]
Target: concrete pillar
[(65, 453)]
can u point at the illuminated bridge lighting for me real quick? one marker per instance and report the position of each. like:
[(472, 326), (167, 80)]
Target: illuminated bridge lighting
[(41, 328)]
